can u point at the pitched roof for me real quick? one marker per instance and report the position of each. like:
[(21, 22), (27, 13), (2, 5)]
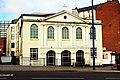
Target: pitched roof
[(39, 15), (34, 14), (88, 8), (62, 12)]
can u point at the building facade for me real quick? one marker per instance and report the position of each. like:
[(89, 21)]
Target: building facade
[(12, 41), (109, 14), (2, 46), (3, 28), (58, 39)]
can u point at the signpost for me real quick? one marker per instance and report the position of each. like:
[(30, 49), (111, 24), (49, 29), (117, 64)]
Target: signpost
[(93, 42)]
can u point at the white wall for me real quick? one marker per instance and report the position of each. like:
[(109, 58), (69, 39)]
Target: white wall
[(57, 44)]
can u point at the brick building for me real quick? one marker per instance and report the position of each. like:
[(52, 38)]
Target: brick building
[(2, 46), (109, 14), (3, 28)]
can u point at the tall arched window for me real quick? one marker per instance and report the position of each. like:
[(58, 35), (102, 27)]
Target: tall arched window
[(50, 32), (91, 33), (78, 33), (34, 31), (65, 33)]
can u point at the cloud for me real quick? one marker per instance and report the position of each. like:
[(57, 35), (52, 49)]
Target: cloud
[(20, 6), (14, 8)]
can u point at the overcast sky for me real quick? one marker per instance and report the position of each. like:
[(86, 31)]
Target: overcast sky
[(11, 9)]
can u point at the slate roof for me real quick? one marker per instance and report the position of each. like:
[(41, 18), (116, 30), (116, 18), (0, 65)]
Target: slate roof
[(87, 8), (39, 15), (33, 15)]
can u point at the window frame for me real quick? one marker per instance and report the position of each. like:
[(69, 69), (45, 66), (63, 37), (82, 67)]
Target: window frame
[(12, 45), (12, 29), (33, 53), (50, 32), (12, 36), (34, 31), (65, 33), (91, 33), (78, 33), (95, 49)]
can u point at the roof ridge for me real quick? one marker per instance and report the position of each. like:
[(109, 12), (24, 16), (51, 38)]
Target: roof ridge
[(88, 7)]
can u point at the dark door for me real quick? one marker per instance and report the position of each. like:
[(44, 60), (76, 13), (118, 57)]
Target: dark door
[(80, 58), (66, 58), (50, 58)]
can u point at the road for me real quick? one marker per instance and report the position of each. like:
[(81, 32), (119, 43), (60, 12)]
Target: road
[(29, 75)]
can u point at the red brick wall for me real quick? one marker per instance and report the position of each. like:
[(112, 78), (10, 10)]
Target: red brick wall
[(2, 45), (109, 13)]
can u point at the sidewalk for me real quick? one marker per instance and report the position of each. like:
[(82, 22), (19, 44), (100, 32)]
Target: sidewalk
[(55, 68)]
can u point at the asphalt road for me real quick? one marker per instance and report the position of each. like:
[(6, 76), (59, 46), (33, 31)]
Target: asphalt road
[(59, 75)]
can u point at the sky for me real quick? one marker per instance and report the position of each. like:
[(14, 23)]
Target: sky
[(12, 9)]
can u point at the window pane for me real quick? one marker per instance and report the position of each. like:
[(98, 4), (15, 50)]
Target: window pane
[(95, 49), (91, 33), (12, 45), (79, 33), (50, 32), (34, 53), (12, 29), (34, 31), (12, 36), (65, 33)]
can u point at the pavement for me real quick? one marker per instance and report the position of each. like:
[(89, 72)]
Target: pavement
[(55, 68)]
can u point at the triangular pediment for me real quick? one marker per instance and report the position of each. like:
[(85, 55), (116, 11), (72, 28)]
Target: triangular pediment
[(65, 16)]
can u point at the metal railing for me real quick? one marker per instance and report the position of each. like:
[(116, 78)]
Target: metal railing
[(43, 62)]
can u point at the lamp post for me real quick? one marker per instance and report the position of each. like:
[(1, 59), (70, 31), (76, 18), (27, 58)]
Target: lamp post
[(93, 42)]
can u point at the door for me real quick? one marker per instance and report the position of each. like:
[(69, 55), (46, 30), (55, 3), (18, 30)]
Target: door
[(50, 58), (66, 58), (80, 58)]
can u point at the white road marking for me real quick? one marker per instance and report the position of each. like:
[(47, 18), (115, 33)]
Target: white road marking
[(113, 78), (3, 78), (58, 78)]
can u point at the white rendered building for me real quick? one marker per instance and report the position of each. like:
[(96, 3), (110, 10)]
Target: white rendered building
[(57, 39), (11, 41)]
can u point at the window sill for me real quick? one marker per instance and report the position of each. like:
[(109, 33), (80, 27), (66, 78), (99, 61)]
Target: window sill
[(65, 40), (50, 39), (32, 39), (79, 40)]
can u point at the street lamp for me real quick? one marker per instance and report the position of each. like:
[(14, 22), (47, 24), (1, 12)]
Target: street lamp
[(93, 42)]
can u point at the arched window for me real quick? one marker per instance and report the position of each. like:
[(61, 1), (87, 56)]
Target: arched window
[(50, 32), (91, 33), (65, 33), (34, 31), (78, 33)]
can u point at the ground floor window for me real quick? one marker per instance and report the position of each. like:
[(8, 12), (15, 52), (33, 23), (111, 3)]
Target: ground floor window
[(95, 49), (34, 53)]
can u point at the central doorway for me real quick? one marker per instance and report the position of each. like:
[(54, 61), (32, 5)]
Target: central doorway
[(51, 58), (66, 58), (80, 58)]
